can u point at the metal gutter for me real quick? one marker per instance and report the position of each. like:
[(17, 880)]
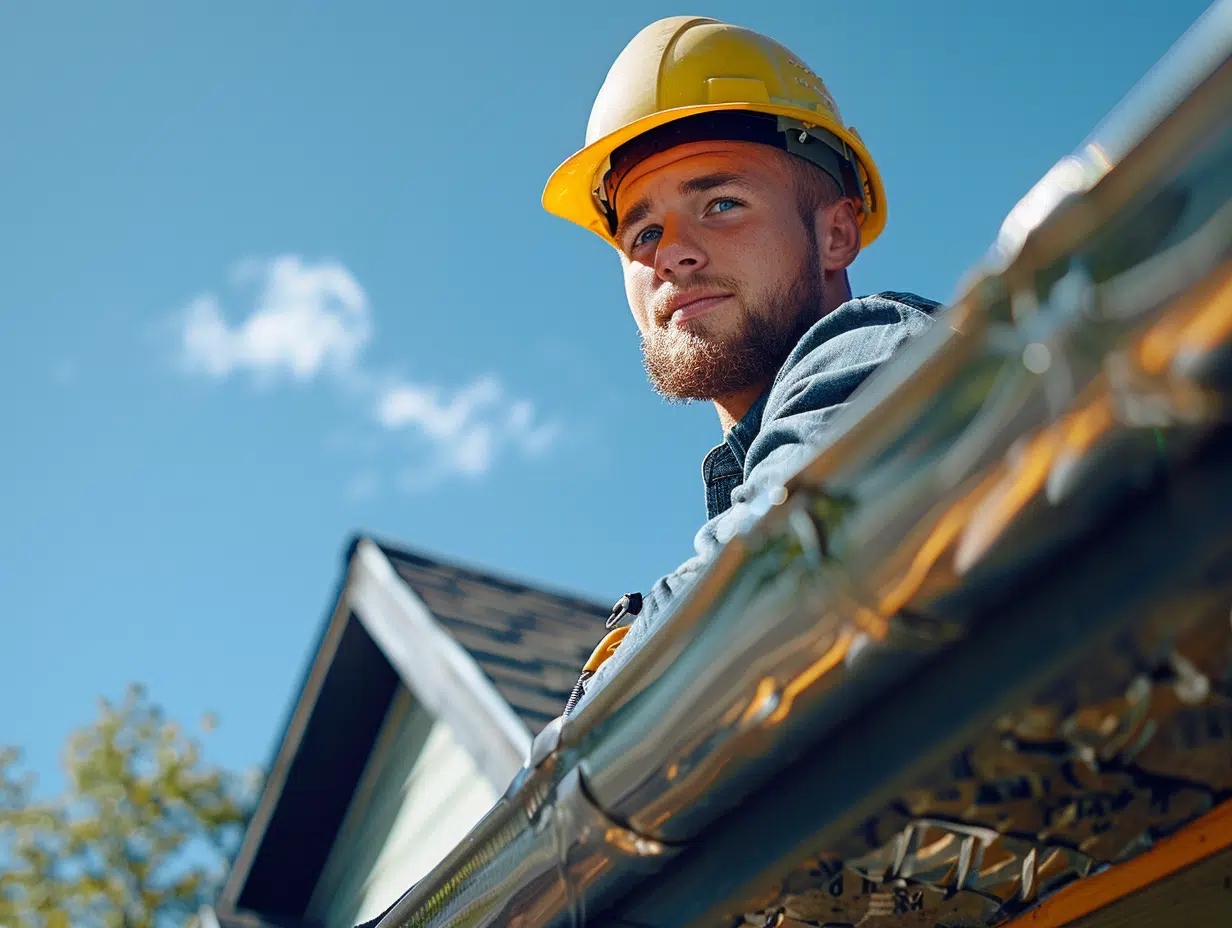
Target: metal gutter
[(871, 784)]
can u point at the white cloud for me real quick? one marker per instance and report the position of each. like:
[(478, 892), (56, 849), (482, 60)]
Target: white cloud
[(533, 439), (307, 319), (471, 426), (404, 404), (313, 319)]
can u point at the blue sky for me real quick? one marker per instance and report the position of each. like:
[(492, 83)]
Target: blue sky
[(271, 274)]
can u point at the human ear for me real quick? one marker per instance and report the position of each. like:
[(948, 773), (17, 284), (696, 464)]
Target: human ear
[(838, 234)]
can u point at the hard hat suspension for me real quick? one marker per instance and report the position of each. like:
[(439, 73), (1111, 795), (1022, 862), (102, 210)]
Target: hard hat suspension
[(812, 143)]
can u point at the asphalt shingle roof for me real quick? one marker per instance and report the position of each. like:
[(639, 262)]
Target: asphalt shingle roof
[(531, 643)]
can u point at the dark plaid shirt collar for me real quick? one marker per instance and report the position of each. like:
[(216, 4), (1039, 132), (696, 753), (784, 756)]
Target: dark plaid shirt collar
[(723, 467)]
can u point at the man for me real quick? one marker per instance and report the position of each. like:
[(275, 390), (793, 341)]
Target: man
[(718, 166)]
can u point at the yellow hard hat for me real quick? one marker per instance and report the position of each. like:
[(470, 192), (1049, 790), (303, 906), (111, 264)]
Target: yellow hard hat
[(708, 80)]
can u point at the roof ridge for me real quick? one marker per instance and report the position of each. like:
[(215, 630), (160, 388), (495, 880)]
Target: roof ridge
[(395, 550)]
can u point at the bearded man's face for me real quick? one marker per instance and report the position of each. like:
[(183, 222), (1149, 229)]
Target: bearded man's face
[(721, 272)]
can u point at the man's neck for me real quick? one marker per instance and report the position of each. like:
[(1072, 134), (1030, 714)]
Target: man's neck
[(731, 408)]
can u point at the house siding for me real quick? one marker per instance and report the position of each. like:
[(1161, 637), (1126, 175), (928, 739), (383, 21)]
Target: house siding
[(420, 794)]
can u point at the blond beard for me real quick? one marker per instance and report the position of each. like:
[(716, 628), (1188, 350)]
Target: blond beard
[(693, 364)]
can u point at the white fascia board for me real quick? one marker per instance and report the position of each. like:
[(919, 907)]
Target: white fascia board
[(436, 668)]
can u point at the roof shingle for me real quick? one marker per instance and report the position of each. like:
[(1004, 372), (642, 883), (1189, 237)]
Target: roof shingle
[(530, 643)]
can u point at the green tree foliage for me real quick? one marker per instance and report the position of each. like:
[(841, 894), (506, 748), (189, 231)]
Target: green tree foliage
[(139, 839)]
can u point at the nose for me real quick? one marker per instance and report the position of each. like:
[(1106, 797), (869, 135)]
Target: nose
[(678, 255)]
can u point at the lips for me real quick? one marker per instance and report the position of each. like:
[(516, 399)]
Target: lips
[(685, 306)]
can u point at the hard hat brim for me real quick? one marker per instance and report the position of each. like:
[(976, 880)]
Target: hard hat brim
[(569, 192)]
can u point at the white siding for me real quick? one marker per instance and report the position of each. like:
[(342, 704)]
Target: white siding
[(419, 796)]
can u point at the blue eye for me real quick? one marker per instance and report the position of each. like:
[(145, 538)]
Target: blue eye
[(642, 237), (724, 205)]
